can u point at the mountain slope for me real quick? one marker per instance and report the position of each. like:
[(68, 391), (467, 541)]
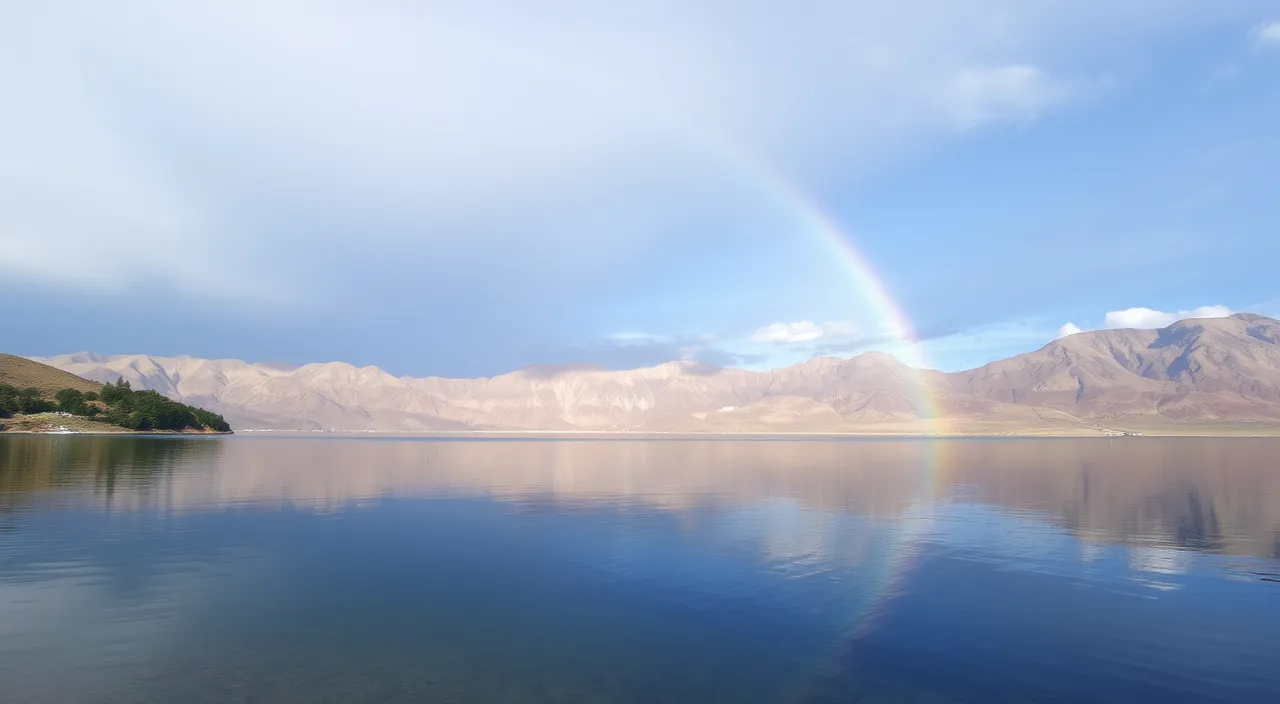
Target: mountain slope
[(27, 374), (1195, 371), (1205, 369)]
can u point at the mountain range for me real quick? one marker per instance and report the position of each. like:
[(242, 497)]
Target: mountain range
[(1210, 375)]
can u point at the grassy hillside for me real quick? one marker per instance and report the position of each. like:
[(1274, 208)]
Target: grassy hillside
[(24, 373)]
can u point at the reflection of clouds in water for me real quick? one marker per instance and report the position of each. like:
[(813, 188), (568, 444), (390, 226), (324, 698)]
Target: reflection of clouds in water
[(1091, 552), (1168, 562), (200, 628), (794, 539), (1159, 560), (54, 629), (61, 622), (1158, 585), (799, 541)]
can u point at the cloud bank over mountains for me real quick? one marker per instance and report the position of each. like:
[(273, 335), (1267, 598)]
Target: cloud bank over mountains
[(489, 181)]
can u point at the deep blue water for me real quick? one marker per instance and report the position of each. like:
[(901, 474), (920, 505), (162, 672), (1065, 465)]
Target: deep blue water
[(322, 569)]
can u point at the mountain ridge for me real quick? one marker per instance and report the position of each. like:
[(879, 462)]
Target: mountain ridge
[(1195, 372)]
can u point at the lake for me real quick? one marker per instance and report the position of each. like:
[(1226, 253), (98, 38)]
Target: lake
[(264, 569)]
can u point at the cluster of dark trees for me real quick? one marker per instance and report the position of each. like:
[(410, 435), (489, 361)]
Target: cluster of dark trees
[(14, 400), (135, 410), (77, 402)]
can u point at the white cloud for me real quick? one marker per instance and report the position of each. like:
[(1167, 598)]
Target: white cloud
[(1147, 318), (779, 333), (1269, 34), (805, 331), (1011, 93), (1067, 329)]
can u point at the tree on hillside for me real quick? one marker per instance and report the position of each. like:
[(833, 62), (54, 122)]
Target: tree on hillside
[(14, 400), (71, 401), (30, 400), (212, 421), (112, 394), (163, 413), (8, 401)]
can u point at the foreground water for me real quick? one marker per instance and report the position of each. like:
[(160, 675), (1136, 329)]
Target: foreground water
[(267, 570)]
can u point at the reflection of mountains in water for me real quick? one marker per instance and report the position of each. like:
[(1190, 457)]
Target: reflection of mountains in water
[(132, 466), (1219, 495)]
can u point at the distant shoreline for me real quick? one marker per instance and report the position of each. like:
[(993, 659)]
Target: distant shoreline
[(112, 433), (642, 435), (490, 435)]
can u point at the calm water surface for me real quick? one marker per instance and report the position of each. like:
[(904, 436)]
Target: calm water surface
[(273, 569)]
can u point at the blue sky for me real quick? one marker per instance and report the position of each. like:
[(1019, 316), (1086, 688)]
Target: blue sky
[(468, 188)]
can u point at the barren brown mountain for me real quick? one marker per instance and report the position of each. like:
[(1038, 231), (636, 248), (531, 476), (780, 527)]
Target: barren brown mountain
[(1194, 370), (1203, 375)]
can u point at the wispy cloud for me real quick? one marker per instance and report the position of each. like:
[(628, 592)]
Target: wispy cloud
[(636, 338), (1068, 329), (1268, 34), (1013, 93), (633, 350)]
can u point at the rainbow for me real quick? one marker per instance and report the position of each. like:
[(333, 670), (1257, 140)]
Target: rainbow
[(913, 527), (870, 285), (791, 199), (811, 218)]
